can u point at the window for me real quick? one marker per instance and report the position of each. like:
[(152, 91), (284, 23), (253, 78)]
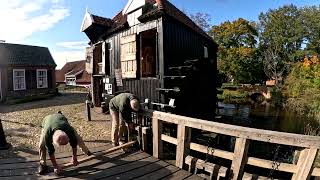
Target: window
[(71, 81), (206, 52), (19, 81), (42, 80)]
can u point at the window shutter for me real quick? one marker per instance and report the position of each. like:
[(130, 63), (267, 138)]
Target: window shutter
[(129, 56)]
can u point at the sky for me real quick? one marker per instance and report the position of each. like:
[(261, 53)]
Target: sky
[(56, 23)]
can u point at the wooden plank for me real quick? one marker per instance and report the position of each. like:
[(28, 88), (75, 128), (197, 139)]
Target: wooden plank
[(31, 168), (268, 164), (244, 132), (97, 170), (215, 152), (169, 139), (183, 143), (305, 163), (128, 39), (157, 143), (59, 155), (118, 170), (141, 171), (181, 174), (161, 173), (103, 153), (240, 158)]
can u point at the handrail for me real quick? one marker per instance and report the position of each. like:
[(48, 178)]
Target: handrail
[(302, 170)]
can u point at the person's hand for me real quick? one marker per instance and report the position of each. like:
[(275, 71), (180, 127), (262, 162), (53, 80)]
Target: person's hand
[(74, 161), (57, 169)]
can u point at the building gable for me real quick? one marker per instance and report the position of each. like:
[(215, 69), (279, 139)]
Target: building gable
[(133, 5)]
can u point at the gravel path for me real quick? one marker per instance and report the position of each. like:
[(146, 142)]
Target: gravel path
[(21, 123)]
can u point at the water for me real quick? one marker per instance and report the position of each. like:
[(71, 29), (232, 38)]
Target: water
[(265, 116)]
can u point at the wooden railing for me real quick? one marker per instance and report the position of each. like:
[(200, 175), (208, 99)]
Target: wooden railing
[(303, 169)]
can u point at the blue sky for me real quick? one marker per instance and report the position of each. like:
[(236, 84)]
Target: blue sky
[(56, 23)]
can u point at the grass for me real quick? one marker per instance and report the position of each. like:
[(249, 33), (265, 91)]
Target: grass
[(233, 96)]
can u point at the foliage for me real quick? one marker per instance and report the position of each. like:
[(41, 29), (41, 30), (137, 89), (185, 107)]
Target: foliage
[(239, 33), (238, 58), (311, 22), (302, 88), (282, 28)]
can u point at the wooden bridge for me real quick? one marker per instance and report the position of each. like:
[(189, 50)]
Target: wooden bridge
[(112, 163)]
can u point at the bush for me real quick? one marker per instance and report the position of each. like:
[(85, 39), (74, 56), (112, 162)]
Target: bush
[(302, 88)]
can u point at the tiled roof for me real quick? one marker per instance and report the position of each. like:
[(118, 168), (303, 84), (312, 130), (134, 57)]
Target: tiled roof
[(16, 54), (102, 20), (74, 68)]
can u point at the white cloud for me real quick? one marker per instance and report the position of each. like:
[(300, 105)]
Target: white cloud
[(22, 18), (78, 45), (62, 57)]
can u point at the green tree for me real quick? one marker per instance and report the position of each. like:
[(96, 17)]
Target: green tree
[(310, 16), (238, 56), (283, 28)]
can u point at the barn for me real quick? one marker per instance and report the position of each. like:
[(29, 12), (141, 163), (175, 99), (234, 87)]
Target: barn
[(152, 49)]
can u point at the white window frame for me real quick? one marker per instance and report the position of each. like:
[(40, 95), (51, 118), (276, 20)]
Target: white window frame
[(14, 79), (45, 85), (71, 81)]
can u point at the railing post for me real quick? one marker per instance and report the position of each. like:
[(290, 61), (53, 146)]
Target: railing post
[(305, 163), (239, 158), (183, 144), (88, 111), (144, 139), (157, 142)]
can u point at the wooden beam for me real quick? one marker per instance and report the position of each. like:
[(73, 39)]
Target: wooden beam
[(169, 139), (157, 142), (305, 163), (215, 152), (183, 145), (239, 159), (243, 132)]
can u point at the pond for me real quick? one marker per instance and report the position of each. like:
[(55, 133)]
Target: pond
[(265, 116)]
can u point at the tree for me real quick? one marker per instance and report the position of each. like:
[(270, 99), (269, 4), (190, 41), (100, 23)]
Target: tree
[(274, 67), (235, 34), (201, 19), (310, 16), (238, 56), (283, 28)]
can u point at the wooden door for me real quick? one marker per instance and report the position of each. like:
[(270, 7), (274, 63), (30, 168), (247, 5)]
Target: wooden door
[(128, 45)]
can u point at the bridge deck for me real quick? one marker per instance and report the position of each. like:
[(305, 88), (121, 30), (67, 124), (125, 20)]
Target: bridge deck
[(116, 165)]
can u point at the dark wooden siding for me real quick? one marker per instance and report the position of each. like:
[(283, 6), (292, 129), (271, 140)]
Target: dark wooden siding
[(143, 88), (182, 43), (31, 82)]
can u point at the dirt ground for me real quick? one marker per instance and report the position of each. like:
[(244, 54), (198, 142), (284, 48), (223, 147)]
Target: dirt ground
[(21, 123)]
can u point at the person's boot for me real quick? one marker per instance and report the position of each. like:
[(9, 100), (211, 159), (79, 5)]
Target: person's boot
[(42, 169)]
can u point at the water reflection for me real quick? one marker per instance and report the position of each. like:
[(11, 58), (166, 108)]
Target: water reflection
[(264, 116)]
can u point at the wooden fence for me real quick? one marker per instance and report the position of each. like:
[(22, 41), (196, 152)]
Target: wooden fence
[(303, 169)]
